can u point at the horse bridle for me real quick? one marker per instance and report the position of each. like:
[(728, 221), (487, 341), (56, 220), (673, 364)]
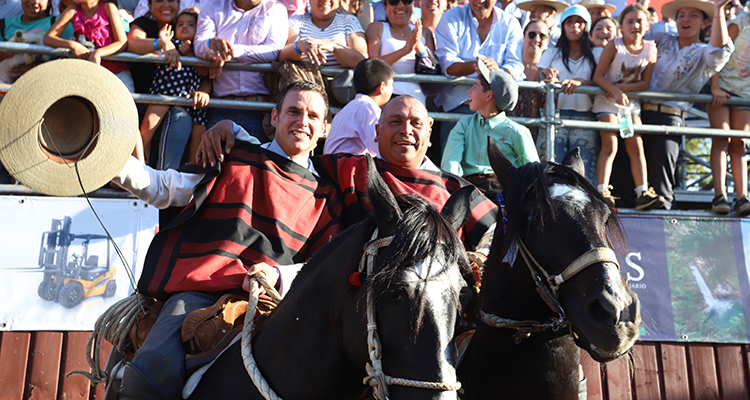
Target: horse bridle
[(547, 286), (375, 375)]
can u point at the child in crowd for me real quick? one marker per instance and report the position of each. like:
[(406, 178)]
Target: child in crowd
[(96, 22), (572, 62), (731, 81), (353, 128), (603, 31), (465, 155), (626, 65), (169, 81)]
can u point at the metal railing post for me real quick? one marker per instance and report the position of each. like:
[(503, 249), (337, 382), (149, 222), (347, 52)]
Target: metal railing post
[(548, 119)]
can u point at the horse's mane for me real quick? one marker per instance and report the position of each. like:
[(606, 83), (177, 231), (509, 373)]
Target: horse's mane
[(531, 184), (421, 232)]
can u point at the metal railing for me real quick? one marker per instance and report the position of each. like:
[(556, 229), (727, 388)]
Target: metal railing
[(548, 121)]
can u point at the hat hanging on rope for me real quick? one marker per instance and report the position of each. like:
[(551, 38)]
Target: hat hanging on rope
[(61, 113)]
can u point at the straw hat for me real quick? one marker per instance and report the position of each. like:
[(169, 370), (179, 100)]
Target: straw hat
[(598, 4), (559, 6), (65, 115), (670, 9)]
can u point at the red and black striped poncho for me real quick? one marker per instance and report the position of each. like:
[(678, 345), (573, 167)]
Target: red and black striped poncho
[(350, 173), (255, 207)]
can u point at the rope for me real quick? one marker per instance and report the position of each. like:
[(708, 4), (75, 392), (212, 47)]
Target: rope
[(247, 352), (114, 326), (525, 328)]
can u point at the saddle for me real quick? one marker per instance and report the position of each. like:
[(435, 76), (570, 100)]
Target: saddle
[(205, 331)]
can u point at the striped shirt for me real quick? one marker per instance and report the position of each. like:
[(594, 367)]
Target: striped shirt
[(341, 27)]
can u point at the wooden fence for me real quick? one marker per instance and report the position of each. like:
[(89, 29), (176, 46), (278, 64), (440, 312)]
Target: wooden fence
[(33, 365)]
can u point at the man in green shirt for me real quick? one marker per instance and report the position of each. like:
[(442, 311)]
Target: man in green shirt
[(465, 154)]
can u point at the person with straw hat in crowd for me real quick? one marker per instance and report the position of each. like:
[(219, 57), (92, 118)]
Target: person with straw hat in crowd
[(547, 11), (684, 64), (599, 9)]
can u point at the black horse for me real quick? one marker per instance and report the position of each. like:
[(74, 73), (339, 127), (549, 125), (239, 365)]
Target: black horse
[(525, 346), (314, 344)]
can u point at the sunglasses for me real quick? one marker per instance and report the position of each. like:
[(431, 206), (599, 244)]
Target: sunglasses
[(395, 2), (542, 36)]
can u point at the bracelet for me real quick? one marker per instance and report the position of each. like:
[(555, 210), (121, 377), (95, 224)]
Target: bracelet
[(156, 48), (423, 54), (297, 48)]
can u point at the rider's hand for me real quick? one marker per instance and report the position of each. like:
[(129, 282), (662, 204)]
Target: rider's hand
[(271, 274)]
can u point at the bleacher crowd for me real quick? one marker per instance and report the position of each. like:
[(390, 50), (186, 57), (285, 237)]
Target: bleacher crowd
[(617, 45)]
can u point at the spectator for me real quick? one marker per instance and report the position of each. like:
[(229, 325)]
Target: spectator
[(402, 45), (547, 11), (10, 8), (432, 11), (172, 80), (604, 30), (144, 7), (353, 128), (34, 18), (626, 65), (599, 9), (653, 16), (325, 37), (572, 63), (731, 81), (477, 32), (361, 9), (684, 64), (493, 93), (97, 22), (248, 31), (535, 42), (666, 24)]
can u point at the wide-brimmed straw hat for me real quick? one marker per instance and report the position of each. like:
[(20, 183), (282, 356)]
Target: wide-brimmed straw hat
[(66, 116), (559, 6), (670, 9), (598, 4)]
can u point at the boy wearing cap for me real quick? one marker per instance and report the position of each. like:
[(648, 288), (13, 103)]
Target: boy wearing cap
[(465, 155)]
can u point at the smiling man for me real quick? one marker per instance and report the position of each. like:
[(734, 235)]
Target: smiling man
[(263, 205)]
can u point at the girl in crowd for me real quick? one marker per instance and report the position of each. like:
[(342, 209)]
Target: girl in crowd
[(572, 62), (401, 44), (626, 65), (731, 81), (535, 42), (97, 22), (35, 19), (684, 64), (186, 81), (325, 37), (603, 30)]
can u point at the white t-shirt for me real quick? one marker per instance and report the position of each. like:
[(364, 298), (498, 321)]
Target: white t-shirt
[(735, 77), (341, 27), (579, 69)]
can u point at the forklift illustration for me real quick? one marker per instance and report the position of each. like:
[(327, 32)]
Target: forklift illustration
[(70, 277)]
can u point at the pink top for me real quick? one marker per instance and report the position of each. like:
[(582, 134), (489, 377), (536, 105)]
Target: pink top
[(96, 30), (257, 36)]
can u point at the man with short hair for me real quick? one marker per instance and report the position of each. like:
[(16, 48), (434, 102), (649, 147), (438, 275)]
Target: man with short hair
[(476, 32), (222, 233), (249, 31), (599, 9), (546, 11)]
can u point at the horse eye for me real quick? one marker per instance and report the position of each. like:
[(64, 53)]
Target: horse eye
[(394, 293)]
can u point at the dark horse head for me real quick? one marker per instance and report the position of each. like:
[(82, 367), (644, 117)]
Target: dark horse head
[(314, 345), (551, 273)]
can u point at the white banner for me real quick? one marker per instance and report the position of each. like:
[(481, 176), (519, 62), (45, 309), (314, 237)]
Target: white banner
[(58, 269)]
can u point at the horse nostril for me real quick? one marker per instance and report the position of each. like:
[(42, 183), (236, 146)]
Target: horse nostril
[(602, 311)]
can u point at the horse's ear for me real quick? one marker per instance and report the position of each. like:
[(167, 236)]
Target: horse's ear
[(504, 169), (382, 199), (573, 160), (457, 208)]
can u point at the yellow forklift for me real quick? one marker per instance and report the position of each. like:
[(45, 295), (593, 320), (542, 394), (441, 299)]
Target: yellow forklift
[(70, 277)]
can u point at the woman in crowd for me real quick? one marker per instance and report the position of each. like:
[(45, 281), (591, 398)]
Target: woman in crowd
[(401, 44), (603, 31), (325, 37), (572, 63), (432, 10), (731, 81), (684, 64), (535, 42)]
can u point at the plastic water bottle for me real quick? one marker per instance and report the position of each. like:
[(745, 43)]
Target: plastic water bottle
[(625, 120)]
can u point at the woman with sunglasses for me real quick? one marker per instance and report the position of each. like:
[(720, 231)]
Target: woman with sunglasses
[(324, 37), (535, 42), (401, 44), (572, 63)]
